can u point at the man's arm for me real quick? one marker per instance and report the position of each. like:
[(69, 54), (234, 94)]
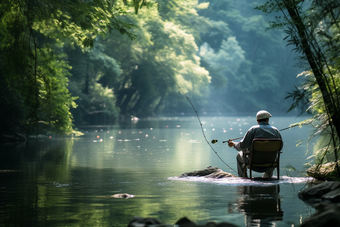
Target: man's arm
[(245, 143)]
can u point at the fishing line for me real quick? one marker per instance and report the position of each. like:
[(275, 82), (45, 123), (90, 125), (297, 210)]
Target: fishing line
[(199, 120)]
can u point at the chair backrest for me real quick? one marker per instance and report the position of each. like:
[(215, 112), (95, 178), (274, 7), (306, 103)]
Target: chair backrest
[(265, 150)]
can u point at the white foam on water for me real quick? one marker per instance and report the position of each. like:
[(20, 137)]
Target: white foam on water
[(235, 181)]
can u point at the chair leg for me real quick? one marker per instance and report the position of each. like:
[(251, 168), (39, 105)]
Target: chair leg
[(278, 165), (245, 172), (250, 173), (244, 166)]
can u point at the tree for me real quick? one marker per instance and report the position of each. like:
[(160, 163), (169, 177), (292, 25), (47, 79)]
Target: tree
[(165, 41), (33, 34), (313, 30), (96, 102), (263, 74)]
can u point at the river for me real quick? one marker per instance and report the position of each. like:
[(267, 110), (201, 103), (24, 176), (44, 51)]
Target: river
[(70, 181)]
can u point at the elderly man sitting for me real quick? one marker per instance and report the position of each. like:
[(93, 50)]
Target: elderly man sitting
[(262, 130)]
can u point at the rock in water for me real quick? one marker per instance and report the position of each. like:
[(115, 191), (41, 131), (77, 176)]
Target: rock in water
[(209, 172)]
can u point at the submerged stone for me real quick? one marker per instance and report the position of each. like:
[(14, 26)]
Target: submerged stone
[(185, 222), (141, 222), (122, 196), (209, 172)]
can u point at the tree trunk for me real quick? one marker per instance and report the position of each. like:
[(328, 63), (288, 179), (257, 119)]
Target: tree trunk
[(331, 105), (156, 110), (126, 100)]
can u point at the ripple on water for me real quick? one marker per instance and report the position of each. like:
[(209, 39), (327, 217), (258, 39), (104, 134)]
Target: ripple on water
[(235, 181)]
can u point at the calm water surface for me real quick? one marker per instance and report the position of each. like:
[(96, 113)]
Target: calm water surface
[(69, 182)]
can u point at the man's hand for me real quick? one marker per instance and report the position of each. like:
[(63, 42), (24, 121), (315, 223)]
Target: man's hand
[(231, 143)]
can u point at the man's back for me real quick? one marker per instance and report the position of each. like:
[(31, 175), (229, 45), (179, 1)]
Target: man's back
[(262, 130)]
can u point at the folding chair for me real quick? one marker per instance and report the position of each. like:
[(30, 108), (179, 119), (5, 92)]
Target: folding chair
[(264, 155)]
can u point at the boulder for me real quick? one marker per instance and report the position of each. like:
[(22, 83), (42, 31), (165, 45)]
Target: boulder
[(209, 172), (326, 171)]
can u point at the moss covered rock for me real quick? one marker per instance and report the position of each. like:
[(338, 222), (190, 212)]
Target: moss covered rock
[(323, 172)]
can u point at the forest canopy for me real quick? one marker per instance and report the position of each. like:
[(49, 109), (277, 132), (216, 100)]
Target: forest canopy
[(66, 63)]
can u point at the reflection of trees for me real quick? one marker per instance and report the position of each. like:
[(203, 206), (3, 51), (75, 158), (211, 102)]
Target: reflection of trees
[(70, 181), (261, 205), (172, 143), (25, 198)]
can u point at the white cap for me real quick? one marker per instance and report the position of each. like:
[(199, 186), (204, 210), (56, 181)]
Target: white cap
[(262, 114)]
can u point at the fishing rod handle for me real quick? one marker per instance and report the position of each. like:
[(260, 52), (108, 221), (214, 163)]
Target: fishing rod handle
[(232, 139)]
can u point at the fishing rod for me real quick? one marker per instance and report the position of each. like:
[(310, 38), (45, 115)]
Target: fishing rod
[(192, 105), (215, 140)]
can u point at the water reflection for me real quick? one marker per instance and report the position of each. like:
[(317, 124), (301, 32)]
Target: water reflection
[(260, 205), (69, 182)]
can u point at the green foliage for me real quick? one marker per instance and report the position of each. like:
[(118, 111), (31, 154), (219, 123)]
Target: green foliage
[(33, 63), (313, 31), (328, 143), (254, 62), (165, 45), (97, 107), (53, 52), (96, 103)]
